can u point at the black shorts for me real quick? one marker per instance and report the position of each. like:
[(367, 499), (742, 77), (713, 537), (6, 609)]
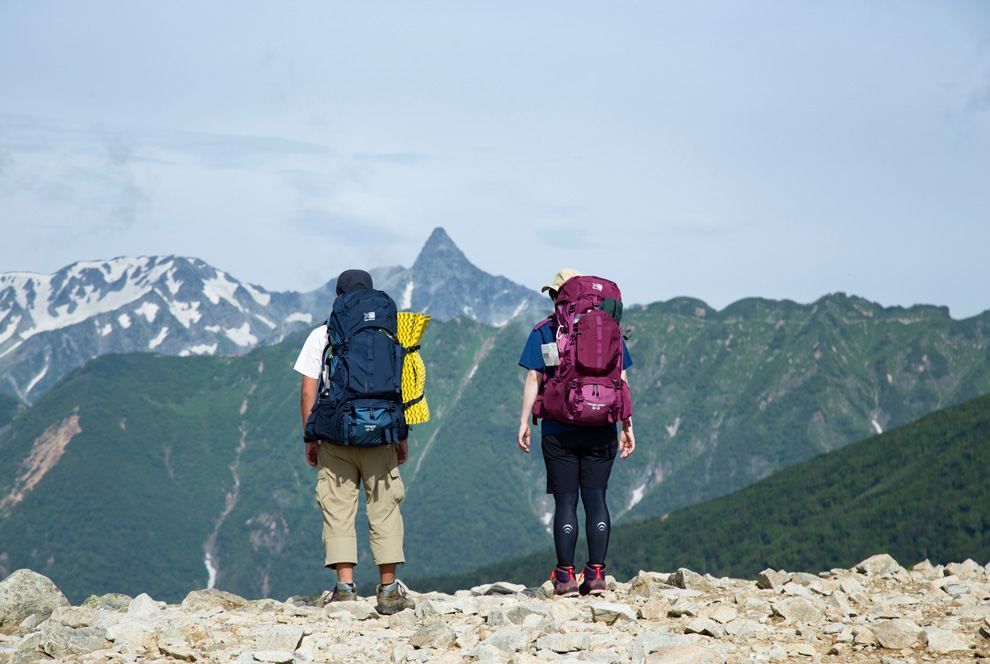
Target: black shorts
[(579, 458)]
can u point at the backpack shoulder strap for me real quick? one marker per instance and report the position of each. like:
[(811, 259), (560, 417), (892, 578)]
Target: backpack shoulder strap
[(545, 321)]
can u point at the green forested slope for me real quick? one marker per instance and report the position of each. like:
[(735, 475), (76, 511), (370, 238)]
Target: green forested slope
[(8, 408), (917, 492)]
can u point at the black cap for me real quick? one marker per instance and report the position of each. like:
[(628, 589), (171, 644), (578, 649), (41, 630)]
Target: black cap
[(351, 280)]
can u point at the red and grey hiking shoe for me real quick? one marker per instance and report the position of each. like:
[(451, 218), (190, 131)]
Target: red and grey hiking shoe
[(592, 580), (564, 582)]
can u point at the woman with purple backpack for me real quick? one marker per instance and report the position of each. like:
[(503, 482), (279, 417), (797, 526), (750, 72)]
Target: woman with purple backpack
[(576, 363)]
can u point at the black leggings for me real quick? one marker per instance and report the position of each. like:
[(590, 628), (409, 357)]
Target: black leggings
[(597, 525)]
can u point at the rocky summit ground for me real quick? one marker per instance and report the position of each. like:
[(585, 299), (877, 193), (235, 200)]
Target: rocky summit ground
[(874, 612)]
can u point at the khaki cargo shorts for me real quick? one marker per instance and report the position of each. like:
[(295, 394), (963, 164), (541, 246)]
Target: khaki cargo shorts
[(341, 472)]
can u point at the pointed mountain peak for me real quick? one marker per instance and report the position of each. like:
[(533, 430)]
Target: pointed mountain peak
[(439, 247)]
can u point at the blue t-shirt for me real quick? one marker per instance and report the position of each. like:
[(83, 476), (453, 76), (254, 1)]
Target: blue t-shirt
[(532, 358)]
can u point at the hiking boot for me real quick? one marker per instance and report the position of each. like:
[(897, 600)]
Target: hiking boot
[(342, 592), (392, 599), (564, 582), (592, 580)]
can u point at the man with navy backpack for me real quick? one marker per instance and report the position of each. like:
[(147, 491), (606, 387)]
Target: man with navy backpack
[(356, 433), (576, 363)]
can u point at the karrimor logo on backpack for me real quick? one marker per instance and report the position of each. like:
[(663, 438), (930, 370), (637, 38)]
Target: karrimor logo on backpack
[(360, 393), (587, 386)]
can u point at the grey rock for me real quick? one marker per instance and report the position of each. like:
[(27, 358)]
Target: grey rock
[(25, 593), (210, 598), (942, 641), (863, 636), (654, 609), (705, 627), (652, 642), (798, 609), (508, 640), (519, 613), (177, 648), (143, 607), (61, 642), (433, 635), (897, 634), (75, 616), (646, 584), (563, 643), (969, 568), (132, 634), (357, 610), (770, 579), (685, 654), (720, 613), (609, 613), (879, 565), (746, 628), (545, 591), (684, 607), (272, 656), (402, 620), (281, 637), (108, 602), (501, 588), (805, 579), (685, 578)]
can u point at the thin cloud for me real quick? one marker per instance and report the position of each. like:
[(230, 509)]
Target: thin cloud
[(400, 158)]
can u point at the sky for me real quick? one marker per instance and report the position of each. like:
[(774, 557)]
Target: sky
[(717, 150)]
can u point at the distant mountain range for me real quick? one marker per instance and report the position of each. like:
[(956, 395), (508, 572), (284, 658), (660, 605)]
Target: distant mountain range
[(50, 324)]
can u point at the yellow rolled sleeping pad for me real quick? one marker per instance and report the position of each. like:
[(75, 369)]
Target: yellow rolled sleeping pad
[(411, 328)]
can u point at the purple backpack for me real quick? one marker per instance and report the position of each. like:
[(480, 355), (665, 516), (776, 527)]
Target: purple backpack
[(587, 388)]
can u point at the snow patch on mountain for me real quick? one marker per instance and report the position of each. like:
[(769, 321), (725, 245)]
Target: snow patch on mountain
[(261, 298), (202, 349), (157, 341), (149, 310), (220, 288), (171, 284), (298, 317), (265, 321), (37, 378), (186, 313), (124, 320), (10, 329), (241, 335)]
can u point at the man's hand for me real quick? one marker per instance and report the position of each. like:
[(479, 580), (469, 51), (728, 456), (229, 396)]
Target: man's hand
[(313, 454), (523, 438), (627, 443), (402, 451)]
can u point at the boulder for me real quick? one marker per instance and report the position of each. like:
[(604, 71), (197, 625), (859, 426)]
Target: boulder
[(770, 579), (210, 598), (879, 565), (798, 609), (685, 578), (25, 593), (433, 635), (898, 634)]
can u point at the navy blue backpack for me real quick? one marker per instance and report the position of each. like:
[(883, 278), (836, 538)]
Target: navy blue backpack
[(359, 399)]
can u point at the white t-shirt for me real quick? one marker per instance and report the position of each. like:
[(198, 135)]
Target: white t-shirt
[(310, 360)]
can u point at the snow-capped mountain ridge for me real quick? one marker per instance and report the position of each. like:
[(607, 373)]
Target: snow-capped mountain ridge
[(50, 324), (172, 305)]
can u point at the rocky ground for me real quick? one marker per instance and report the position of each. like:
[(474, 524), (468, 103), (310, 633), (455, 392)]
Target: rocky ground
[(875, 612)]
